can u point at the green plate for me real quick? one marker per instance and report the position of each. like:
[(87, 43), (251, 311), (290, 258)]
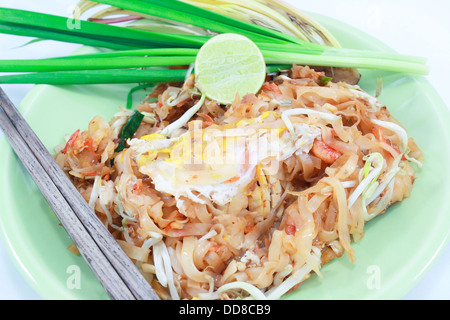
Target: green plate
[(397, 249)]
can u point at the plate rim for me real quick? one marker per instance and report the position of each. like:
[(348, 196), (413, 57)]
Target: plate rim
[(37, 90)]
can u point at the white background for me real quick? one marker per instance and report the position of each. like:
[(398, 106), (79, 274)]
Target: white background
[(415, 27)]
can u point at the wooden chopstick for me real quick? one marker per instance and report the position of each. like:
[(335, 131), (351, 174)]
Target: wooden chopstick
[(115, 271)]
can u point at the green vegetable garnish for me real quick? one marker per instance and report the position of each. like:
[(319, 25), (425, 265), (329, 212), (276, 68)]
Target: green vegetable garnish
[(129, 129), (189, 28), (323, 80)]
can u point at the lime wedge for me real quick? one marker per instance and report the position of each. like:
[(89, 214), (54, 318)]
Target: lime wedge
[(228, 64)]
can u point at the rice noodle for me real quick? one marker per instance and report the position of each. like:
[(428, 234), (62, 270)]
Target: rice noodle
[(309, 167)]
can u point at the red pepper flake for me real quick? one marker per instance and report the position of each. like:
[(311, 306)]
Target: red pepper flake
[(209, 121), (214, 248), (71, 141), (248, 228), (137, 187)]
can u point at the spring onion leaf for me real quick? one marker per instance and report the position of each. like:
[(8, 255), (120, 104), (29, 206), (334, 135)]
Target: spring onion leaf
[(36, 23), (97, 76), (59, 64), (324, 80), (130, 46), (129, 129)]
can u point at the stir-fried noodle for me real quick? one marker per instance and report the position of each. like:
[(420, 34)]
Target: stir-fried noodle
[(244, 200)]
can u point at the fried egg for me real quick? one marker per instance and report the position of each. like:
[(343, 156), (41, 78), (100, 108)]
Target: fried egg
[(219, 162)]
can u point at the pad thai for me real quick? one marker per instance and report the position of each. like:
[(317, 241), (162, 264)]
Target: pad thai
[(244, 200)]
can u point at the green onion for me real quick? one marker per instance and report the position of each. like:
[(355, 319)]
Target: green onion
[(97, 76), (74, 63), (47, 34), (138, 52), (324, 80), (108, 76), (37, 23), (345, 61), (131, 48), (129, 129)]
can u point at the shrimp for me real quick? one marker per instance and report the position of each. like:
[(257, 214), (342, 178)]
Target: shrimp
[(87, 152), (324, 152)]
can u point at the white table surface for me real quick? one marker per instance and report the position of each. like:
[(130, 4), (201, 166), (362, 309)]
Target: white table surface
[(414, 27)]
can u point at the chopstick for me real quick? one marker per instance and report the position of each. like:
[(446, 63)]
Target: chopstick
[(114, 269)]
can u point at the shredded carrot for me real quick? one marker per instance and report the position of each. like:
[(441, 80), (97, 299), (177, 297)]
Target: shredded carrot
[(234, 179), (296, 286)]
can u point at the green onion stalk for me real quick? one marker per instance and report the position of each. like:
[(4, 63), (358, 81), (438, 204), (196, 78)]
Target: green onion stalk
[(170, 33)]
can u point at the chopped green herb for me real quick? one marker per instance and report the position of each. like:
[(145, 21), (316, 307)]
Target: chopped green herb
[(129, 129), (323, 80)]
